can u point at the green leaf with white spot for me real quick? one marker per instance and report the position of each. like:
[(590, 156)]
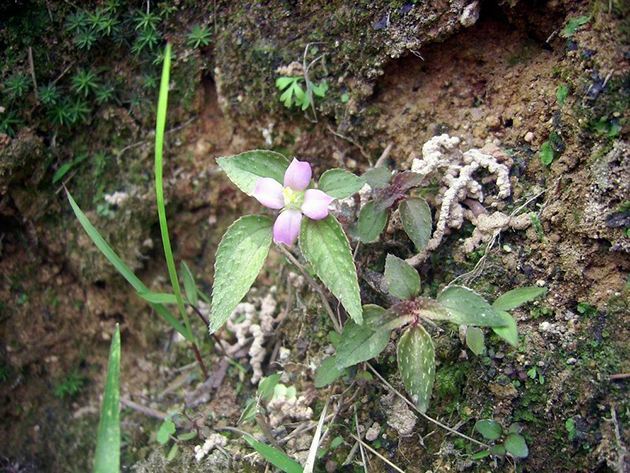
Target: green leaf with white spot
[(402, 280), (107, 455), (517, 297), (246, 168), (372, 222), (516, 446), (417, 222), (339, 183), (240, 257), (327, 372), (326, 248), (508, 332), (469, 308), (490, 429), (416, 363), (360, 343), (475, 340)]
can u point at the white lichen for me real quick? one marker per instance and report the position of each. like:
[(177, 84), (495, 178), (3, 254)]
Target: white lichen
[(287, 405), (252, 324), (460, 181), (212, 442)]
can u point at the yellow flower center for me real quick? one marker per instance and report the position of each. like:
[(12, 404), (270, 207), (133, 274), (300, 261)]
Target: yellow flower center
[(292, 199)]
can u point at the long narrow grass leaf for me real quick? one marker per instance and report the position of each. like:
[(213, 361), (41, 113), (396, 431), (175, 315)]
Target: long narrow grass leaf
[(276, 457), (120, 265), (158, 297), (189, 284), (317, 437), (107, 455), (159, 187)]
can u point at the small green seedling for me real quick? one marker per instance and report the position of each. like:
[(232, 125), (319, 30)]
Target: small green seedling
[(199, 36), (573, 25), (546, 153), (510, 442)]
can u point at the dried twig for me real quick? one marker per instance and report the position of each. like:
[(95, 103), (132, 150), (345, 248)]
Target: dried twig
[(430, 419)]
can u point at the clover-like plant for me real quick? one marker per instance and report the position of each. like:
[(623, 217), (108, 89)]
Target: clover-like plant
[(413, 313), (296, 94), (285, 186)]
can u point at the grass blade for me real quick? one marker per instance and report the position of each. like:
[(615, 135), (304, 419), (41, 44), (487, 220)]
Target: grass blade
[(276, 457), (159, 188), (317, 437), (107, 455), (121, 267)]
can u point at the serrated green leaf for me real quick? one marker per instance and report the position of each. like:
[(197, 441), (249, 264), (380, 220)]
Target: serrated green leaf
[(327, 372), (475, 340), (276, 457), (360, 343), (416, 364), (517, 297), (189, 285), (107, 455), (167, 428), (122, 268), (417, 222), (508, 332), (469, 308), (371, 223), (246, 168), (339, 183), (326, 248), (515, 445), (240, 257), (377, 178), (403, 281), (158, 297), (546, 153), (267, 385), (490, 429)]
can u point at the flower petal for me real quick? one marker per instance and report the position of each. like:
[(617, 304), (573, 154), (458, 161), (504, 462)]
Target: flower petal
[(269, 193), (298, 175), (316, 204), (287, 227)]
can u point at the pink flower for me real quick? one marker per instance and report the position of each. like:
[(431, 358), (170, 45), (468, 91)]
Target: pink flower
[(294, 199)]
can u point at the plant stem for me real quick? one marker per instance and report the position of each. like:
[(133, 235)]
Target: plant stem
[(200, 361), (313, 283)]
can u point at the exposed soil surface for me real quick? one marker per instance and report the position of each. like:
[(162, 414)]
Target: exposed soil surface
[(494, 81)]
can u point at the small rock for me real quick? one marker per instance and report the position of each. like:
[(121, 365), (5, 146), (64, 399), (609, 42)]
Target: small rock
[(571, 361), (372, 433), (545, 326), (529, 137)]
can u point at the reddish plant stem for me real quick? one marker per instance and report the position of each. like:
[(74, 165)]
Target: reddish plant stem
[(200, 361)]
